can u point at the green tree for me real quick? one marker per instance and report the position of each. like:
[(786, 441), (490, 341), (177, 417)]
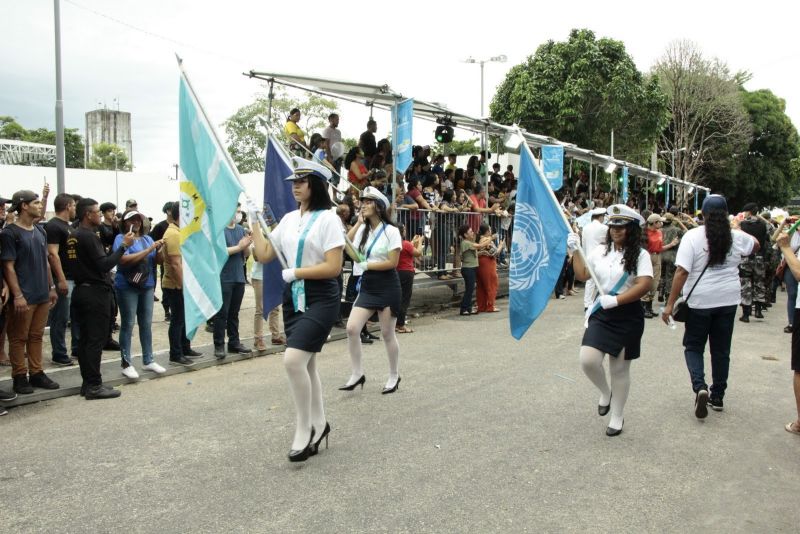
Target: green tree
[(458, 147), (580, 90), (73, 142), (247, 128), (765, 173), (108, 156)]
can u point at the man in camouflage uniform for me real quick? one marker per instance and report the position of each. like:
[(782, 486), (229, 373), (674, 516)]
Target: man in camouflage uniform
[(772, 259), (752, 270), (673, 228)]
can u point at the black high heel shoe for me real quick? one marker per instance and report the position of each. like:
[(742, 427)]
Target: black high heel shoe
[(602, 410), (611, 432), (352, 386), (392, 389), (315, 446), (302, 454)]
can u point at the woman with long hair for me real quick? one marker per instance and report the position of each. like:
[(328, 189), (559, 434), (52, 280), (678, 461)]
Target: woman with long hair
[(615, 321), (487, 270), (357, 172), (405, 270), (134, 285), (379, 243), (311, 241), (469, 265), (707, 266)]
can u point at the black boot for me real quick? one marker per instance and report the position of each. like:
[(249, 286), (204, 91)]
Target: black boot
[(758, 314), (648, 310), (745, 318)]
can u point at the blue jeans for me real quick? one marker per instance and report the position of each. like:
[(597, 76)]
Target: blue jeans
[(716, 326), (227, 318), (136, 305), (59, 317), (470, 275), (791, 293)]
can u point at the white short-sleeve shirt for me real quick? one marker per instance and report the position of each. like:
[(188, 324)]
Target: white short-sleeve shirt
[(389, 240), (594, 234), (609, 268), (720, 284), (326, 234)]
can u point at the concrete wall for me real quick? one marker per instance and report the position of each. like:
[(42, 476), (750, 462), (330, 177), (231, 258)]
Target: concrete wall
[(150, 190), (109, 126)]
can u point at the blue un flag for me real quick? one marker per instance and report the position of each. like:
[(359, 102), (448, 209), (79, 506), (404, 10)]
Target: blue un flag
[(538, 247)]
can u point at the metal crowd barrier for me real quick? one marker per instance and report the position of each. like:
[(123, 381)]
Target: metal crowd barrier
[(441, 253)]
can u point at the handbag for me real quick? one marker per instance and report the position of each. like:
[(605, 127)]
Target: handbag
[(680, 310), (138, 275)]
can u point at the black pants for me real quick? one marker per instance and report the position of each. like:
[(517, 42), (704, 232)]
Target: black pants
[(406, 286), (228, 316), (178, 342), (91, 304), (470, 274)]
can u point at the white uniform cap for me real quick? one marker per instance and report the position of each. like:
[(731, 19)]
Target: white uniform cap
[(372, 193), (620, 215), (304, 168)]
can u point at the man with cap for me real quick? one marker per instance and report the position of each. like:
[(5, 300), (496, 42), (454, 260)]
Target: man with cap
[(655, 244), (91, 299), (24, 256), (672, 231), (157, 233), (593, 234), (62, 254), (109, 227), (752, 269)]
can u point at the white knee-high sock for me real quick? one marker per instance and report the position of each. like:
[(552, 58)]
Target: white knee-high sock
[(592, 365), (388, 324), (358, 318), (317, 406), (620, 372), (296, 363)]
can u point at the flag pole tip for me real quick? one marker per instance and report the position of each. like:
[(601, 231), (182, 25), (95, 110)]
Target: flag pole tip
[(179, 58)]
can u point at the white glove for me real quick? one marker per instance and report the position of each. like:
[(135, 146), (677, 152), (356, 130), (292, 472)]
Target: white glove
[(252, 209), (363, 266), (573, 242), (608, 302), (289, 275)]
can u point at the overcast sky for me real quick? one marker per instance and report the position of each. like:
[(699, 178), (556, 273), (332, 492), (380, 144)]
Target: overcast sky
[(124, 49)]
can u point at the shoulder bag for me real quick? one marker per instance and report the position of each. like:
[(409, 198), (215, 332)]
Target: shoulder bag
[(680, 310)]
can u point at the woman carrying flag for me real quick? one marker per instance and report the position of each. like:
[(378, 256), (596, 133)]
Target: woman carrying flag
[(379, 242), (311, 241), (616, 319)]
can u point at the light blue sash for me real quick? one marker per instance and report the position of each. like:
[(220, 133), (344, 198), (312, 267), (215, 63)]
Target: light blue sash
[(299, 286)]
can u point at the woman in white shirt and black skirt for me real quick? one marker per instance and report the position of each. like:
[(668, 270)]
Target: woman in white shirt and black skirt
[(379, 242), (311, 240), (616, 319)]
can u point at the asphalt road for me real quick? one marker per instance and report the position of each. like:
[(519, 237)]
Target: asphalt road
[(486, 434)]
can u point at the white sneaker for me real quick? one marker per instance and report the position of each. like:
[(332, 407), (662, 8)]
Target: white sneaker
[(130, 372), (155, 368)]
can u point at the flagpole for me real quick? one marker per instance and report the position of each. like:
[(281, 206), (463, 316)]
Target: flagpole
[(553, 198), (228, 158)]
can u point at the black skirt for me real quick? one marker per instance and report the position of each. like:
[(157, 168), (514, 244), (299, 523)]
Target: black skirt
[(379, 289), (309, 330), (610, 331)]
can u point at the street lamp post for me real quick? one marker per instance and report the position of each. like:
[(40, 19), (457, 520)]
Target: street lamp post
[(494, 59)]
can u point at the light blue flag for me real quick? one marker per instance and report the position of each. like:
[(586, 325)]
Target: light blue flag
[(624, 185), (538, 248), (209, 194), (403, 118), (553, 165)]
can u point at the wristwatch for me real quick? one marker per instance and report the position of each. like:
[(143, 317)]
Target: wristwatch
[(52, 286)]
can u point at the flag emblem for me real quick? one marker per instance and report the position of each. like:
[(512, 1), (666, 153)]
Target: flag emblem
[(529, 254)]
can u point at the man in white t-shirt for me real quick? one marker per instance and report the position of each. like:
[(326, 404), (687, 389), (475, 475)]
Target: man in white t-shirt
[(333, 135), (593, 235)]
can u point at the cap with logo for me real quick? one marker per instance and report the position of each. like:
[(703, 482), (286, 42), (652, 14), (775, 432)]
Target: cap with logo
[(304, 168), (654, 218), (22, 196), (373, 194), (620, 215)]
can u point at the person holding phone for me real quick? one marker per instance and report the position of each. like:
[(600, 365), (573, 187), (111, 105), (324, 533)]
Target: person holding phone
[(134, 284)]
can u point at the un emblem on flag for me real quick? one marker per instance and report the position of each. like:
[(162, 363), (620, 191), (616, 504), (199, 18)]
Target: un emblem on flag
[(529, 253)]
